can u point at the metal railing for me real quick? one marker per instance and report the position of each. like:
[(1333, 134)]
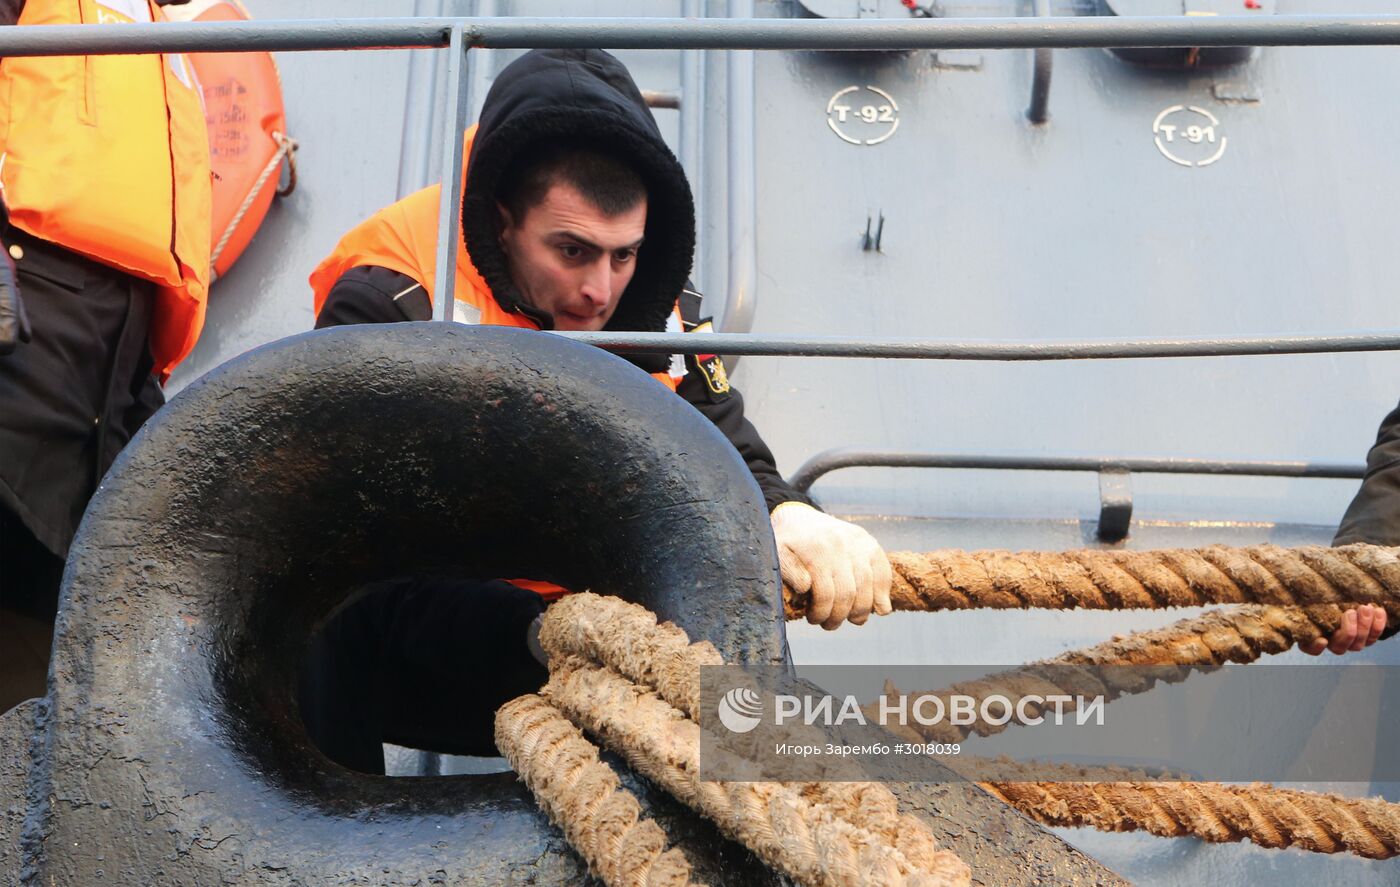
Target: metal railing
[(459, 35), (1011, 350), (1115, 488), (828, 461), (669, 33), (742, 34)]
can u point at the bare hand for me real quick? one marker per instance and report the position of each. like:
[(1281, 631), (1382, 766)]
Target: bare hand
[(1360, 629)]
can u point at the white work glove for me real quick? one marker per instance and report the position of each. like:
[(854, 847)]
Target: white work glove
[(840, 565)]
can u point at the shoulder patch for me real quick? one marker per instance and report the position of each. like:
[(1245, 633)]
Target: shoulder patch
[(711, 366), (689, 303)]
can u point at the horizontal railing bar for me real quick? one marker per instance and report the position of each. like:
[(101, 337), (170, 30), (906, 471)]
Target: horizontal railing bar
[(946, 349), (831, 460), (680, 33), (245, 36)]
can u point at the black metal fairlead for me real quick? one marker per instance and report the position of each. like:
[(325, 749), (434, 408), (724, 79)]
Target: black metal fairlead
[(259, 500)]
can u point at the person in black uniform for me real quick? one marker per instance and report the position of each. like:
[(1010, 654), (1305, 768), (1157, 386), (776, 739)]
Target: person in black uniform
[(1373, 517), (576, 216)]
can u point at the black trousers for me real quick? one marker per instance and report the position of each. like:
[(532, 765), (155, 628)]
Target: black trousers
[(71, 398), (29, 578), (1374, 515), (422, 663), (29, 572)]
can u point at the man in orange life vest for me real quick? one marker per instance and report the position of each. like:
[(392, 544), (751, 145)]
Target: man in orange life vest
[(106, 187), (576, 216)]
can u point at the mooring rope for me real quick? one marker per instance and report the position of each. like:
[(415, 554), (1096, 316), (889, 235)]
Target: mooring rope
[(1120, 799), (1261, 813), (808, 841), (1112, 580), (583, 797), (635, 685), (1264, 814), (1169, 654), (627, 639)]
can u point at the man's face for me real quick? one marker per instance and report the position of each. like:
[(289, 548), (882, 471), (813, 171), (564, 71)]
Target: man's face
[(570, 260)]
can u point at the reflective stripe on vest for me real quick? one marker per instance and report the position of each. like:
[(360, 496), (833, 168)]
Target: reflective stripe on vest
[(463, 312), (108, 156)]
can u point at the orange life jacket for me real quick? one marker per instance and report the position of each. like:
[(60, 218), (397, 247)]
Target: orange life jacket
[(403, 237), (107, 156), (247, 126)]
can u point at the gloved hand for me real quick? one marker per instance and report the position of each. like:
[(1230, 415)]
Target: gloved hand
[(14, 324), (839, 564)]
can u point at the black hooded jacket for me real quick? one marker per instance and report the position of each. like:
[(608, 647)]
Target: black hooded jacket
[(1374, 514), (585, 98)]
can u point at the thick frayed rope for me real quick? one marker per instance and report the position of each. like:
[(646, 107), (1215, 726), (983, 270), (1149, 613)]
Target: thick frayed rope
[(1114, 580), (1170, 654), (582, 796), (635, 685), (1263, 814), (793, 832)]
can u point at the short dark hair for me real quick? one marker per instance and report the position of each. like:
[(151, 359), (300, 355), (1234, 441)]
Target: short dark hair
[(603, 178)]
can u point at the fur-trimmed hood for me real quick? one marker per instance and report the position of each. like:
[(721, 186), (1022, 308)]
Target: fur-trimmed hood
[(584, 96)]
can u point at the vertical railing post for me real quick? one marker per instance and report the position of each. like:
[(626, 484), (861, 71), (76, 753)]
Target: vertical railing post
[(430, 763), (743, 260), (692, 117), (479, 64), (450, 206), (420, 104)]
